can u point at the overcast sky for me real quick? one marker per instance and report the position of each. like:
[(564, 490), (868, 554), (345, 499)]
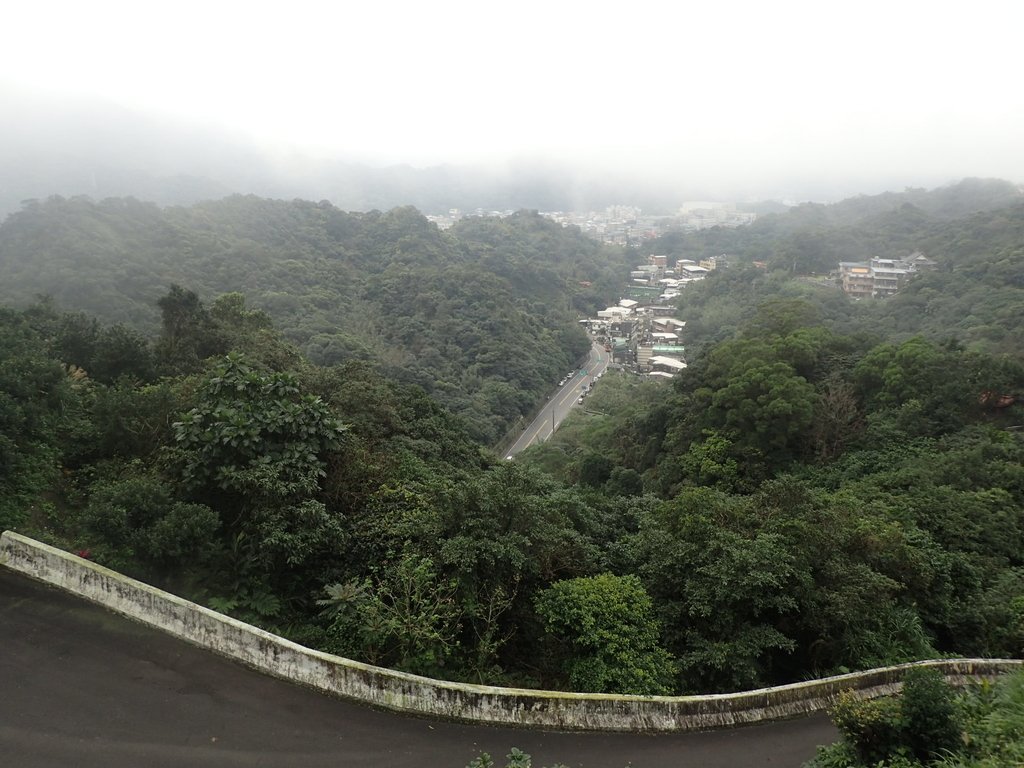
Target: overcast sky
[(883, 94)]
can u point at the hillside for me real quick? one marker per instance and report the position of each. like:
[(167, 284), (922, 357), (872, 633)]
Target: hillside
[(829, 485), (813, 237), (481, 317), (974, 231)]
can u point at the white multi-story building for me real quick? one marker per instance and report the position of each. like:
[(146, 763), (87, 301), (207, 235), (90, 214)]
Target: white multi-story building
[(879, 278)]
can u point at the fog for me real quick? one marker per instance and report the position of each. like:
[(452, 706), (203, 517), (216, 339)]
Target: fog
[(532, 104)]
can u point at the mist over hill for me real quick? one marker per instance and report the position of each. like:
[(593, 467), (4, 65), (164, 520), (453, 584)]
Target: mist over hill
[(481, 316), (73, 147)]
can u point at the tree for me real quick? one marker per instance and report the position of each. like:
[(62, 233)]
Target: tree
[(930, 715), (606, 625), (506, 533), (32, 386), (136, 521), (255, 447), (405, 617), (252, 427), (924, 388), (922, 723), (595, 469), (767, 408), (837, 418), (188, 334), (722, 588)]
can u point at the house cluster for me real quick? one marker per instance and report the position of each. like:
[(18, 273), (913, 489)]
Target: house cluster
[(644, 338), (615, 225), (629, 225), (696, 215), (643, 334), (879, 278), (656, 279)]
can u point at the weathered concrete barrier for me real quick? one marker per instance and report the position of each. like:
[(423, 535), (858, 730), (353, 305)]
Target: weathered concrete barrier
[(438, 698)]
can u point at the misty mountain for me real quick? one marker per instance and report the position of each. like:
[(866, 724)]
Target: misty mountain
[(814, 238), (481, 316), (72, 148)]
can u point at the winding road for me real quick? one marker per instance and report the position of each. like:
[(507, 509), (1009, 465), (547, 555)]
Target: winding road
[(558, 407), (81, 686)]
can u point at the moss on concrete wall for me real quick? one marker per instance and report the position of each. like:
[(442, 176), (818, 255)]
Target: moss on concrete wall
[(438, 698)]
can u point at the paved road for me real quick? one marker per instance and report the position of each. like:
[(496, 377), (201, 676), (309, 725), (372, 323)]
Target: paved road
[(543, 426), (83, 687)]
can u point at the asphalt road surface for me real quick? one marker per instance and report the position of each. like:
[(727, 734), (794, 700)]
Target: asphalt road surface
[(558, 407), (83, 687)]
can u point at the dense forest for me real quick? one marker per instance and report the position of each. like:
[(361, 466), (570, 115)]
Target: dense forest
[(974, 230), (829, 485), (481, 317)]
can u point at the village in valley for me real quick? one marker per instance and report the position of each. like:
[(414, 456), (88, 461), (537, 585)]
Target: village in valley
[(643, 334)]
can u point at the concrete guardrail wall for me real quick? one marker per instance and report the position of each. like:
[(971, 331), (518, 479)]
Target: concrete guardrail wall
[(438, 698)]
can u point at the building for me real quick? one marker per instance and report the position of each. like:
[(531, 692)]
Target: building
[(692, 272), (856, 279), (669, 365), (889, 276), (667, 324), (714, 262), (667, 338), (644, 353), (879, 278)]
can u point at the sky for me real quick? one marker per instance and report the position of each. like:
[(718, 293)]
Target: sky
[(742, 95)]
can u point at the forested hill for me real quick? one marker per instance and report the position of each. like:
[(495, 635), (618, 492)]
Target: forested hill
[(814, 237), (481, 317), (974, 295), (818, 491)]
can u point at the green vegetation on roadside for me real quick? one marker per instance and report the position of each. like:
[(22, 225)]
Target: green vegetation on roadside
[(930, 725), (829, 485)]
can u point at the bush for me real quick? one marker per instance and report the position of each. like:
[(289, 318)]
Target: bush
[(874, 729), (921, 725), (930, 721), (838, 755), (516, 759)]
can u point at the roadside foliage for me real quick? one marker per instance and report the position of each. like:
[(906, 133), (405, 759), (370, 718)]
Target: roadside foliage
[(829, 485)]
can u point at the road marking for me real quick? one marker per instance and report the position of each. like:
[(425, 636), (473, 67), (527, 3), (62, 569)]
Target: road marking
[(543, 419)]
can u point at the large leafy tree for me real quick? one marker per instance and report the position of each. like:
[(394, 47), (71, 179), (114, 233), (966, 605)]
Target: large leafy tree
[(606, 627), (256, 448), (722, 588), (188, 334)]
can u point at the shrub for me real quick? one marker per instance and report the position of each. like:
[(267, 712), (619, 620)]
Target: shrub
[(930, 721), (874, 729)]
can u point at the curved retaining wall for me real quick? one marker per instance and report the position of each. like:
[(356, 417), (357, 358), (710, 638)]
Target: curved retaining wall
[(437, 698)]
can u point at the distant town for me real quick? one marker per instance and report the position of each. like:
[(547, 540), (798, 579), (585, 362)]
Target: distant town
[(642, 332), (627, 225)]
